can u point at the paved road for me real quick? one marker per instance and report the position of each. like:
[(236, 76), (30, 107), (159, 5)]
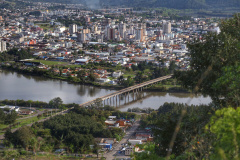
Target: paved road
[(114, 153)]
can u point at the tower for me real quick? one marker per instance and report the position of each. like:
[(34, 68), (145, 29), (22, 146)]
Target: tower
[(122, 29), (72, 28), (167, 28)]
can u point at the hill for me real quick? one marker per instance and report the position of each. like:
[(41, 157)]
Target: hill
[(177, 4)]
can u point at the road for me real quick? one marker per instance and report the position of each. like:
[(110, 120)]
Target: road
[(13, 130), (114, 152), (38, 113)]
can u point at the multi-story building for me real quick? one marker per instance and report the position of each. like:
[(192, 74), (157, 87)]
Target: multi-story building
[(122, 29), (111, 33), (3, 46), (72, 28), (167, 28)]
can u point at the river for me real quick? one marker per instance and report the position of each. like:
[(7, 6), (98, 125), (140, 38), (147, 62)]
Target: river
[(18, 86)]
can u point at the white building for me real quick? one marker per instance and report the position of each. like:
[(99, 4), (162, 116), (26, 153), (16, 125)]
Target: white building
[(11, 108), (3, 46), (122, 29)]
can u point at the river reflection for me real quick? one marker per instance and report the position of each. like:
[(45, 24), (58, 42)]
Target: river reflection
[(17, 86)]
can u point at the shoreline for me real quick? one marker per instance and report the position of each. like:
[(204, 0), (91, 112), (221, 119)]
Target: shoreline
[(113, 87)]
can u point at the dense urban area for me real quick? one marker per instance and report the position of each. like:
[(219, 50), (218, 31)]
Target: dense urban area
[(127, 49)]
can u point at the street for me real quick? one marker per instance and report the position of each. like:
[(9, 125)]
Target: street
[(114, 152)]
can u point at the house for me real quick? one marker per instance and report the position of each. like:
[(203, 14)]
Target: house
[(117, 74), (135, 141), (103, 80), (10, 108), (121, 122), (26, 112), (110, 122), (144, 136), (130, 150)]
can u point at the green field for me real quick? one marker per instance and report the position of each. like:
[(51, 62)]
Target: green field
[(50, 63), (22, 122)]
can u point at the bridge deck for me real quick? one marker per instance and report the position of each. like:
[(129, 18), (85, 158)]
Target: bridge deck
[(129, 89)]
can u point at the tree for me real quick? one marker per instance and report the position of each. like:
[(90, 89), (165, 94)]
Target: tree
[(128, 82), (96, 149), (11, 118), (8, 137), (212, 58), (56, 102), (225, 127), (120, 80), (23, 137)]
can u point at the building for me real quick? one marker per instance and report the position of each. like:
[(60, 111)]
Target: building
[(82, 36), (72, 28), (167, 28), (122, 29), (135, 141), (130, 150), (111, 33), (10, 108), (3, 46), (81, 61)]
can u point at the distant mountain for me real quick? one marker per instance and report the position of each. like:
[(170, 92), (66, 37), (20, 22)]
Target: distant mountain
[(177, 4)]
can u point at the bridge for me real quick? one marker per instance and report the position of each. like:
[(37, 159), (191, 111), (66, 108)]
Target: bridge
[(108, 99)]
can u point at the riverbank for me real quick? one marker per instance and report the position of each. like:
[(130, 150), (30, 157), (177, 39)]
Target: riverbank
[(154, 88)]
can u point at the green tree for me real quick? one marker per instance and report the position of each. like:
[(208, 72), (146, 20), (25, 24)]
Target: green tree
[(225, 126), (56, 102), (211, 59), (8, 137), (11, 118), (23, 137)]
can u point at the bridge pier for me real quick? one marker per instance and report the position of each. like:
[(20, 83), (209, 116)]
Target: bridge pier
[(125, 97), (119, 99), (133, 94), (136, 92)]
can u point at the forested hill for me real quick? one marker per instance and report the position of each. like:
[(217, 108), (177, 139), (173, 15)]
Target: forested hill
[(177, 4)]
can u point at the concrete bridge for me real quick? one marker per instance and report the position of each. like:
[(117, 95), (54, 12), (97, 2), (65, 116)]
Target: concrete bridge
[(110, 98)]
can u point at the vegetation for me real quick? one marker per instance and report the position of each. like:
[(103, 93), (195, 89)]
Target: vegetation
[(74, 132), (215, 64), (178, 4), (7, 118), (205, 131), (15, 54), (54, 103)]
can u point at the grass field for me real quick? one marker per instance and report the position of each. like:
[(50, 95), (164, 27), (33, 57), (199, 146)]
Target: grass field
[(22, 122), (50, 63)]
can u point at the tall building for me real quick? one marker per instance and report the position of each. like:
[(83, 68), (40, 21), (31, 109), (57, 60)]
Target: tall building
[(139, 35), (72, 28), (111, 33), (3, 46), (167, 28), (82, 36), (122, 29)]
